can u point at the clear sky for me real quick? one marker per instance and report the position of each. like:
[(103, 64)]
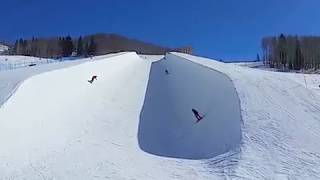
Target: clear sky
[(228, 29)]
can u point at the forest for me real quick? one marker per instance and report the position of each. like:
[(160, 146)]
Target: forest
[(288, 52), (91, 45)]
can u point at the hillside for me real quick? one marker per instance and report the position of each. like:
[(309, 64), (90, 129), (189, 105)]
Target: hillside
[(109, 43), (96, 44), (135, 121)]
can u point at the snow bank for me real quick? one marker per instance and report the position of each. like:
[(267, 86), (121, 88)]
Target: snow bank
[(14, 62), (167, 126), (58, 126), (55, 118), (280, 130), (3, 48), (10, 80)]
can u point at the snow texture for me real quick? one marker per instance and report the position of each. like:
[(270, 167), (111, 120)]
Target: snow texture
[(167, 125), (58, 126), (10, 80), (280, 131), (3, 48), (14, 62)]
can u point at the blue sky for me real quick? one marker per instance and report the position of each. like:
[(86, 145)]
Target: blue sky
[(227, 29)]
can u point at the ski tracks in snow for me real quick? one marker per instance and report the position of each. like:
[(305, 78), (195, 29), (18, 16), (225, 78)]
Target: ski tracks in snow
[(281, 124)]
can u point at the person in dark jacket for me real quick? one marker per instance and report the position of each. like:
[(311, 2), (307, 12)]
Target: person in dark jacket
[(197, 115), (93, 78)]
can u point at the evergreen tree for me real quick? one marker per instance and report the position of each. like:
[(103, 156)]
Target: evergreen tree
[(20, 49), (15, 48), (34, 47), (282, 48), (86, 49), (62, 46), (298, 59), (68, 46), (80, 47), (92, 47)]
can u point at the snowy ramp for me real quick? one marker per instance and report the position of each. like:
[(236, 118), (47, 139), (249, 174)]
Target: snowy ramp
[(167, 125)]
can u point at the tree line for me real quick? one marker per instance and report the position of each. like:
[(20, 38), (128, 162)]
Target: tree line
[(291, 52), (96, 44), (55, 47)]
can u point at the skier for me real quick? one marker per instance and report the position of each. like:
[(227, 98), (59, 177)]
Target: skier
[(167, 72), (197, 115), (93, 78)]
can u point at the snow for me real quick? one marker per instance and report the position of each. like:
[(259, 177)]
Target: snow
[(167, 126), (280, 131), (10, 80), (15, 62), (67, 128), (152, 58), (3, 48), (256, 64), (58, 126)]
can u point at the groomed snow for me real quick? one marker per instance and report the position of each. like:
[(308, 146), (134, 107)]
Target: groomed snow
[(167, 125), (15, 62), (281, 123), (10, 80), (58, 126), (3, 48)]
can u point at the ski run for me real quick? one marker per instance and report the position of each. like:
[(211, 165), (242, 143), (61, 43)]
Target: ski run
[(135, 120)]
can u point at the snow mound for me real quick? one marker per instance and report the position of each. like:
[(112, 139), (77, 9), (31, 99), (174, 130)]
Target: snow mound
[(59, 126), (15, 62), (3, 48), (280, 130), (60, 115), (167, 125)]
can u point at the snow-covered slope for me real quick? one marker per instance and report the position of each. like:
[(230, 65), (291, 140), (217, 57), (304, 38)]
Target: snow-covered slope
[(281, 123), (167, 126), (58, 126), (14, 62), (10, 80), (67, 128), (3, 48)]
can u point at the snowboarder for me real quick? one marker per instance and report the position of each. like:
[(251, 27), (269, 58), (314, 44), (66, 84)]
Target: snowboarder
[(167, 72), (197, 115), (93, 78)]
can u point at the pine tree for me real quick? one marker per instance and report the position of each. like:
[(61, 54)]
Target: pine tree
[(80, 47), (92, 47), (24, 47), (298, 59), (282, 48), (86, 49), (20, 49), (62, 46), (33, 47), (15, 48), (68, 46)]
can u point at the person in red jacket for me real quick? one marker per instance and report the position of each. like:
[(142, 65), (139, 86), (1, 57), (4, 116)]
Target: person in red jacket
[(93, 78)]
